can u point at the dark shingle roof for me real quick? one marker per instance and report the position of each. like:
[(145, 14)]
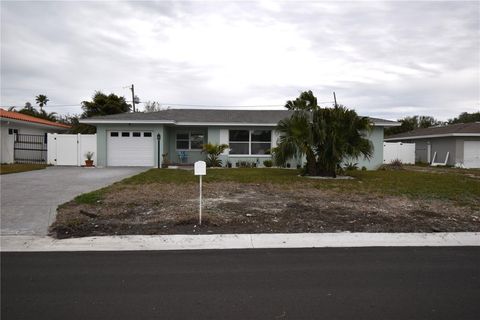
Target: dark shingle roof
[(459, 128), (208, 116)]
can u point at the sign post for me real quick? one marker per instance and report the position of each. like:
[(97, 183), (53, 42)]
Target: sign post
[(200, 169)]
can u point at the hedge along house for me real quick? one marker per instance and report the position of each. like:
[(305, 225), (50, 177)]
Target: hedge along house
[(458, 144), (130, 139)]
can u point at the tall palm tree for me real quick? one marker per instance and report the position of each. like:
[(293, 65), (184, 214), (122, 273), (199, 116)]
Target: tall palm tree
[(41, 100), (325, 136)]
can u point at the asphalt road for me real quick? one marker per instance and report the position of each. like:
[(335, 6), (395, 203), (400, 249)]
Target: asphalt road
[(330, 283)]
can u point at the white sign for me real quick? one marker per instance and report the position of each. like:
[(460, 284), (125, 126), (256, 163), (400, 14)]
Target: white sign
[(200, 168)]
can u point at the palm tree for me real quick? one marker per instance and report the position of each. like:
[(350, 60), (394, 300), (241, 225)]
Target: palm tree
[(214, 151), (41, 100), (325, 136)]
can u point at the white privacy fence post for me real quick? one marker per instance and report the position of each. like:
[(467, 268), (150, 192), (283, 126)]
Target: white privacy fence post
[(200, 169)]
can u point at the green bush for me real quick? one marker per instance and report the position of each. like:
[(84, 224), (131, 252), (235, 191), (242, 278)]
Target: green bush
[(213, 152), (268, 163)]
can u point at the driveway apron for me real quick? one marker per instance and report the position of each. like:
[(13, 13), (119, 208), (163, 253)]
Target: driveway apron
[(29, 200)]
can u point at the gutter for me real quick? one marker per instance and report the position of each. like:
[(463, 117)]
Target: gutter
[(219, 124), (434, 136)]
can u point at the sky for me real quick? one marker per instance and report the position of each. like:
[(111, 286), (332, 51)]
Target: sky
[(383, 59)]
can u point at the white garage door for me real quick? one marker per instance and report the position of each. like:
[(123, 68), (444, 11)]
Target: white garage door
[(130, 148), (471, 154)]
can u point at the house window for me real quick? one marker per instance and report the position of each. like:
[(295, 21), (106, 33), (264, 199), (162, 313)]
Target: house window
[(136, 134), (125, 134), (196, 140), (239, 141), (147, 134), (189, 140), (250, 142), (261, 141), (113, 134)]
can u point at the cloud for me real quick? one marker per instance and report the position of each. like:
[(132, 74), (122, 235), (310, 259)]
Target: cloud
[(386, 59)]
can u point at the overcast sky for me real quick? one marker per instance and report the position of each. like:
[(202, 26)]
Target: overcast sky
[(384, 59)]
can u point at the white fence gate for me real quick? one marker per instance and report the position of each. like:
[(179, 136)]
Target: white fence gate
[(70, 149), (404, 152)]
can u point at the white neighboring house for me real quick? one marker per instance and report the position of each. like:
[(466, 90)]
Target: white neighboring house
[(23, 137), (456, 145)]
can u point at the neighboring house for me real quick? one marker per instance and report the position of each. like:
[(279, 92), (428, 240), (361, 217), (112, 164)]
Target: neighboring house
[(130, 139), (461, 141), (23, 138)]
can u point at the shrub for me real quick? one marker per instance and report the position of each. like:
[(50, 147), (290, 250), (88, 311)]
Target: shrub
[(396, 164), (246, 164), (364, 168), (350, 166), (213, 152), (268, 163)]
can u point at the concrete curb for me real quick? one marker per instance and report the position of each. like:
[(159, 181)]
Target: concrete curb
[(238, 241)]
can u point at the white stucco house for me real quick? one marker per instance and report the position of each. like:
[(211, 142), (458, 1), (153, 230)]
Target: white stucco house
[(23, 137)]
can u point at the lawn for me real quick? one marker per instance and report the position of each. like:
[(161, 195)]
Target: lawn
[(163, 201), (20, 167)]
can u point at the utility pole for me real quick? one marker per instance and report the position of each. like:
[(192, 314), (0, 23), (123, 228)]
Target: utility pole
[(334, 98), (133, 97)]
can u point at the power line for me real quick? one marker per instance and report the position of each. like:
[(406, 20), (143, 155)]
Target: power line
[(181, 105)]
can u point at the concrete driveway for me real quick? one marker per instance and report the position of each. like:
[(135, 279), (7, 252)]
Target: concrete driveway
[(29, 200)]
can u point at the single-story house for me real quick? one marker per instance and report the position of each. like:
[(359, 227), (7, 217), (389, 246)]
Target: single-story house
[(24, 138), (458, 144), (130, 139)]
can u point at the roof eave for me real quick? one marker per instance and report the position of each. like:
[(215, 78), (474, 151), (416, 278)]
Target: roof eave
[(34, 124), (94, 121), (202, 123), (386, 124), (445, 135)]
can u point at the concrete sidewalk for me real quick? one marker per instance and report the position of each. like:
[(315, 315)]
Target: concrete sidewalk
[(238, 241)]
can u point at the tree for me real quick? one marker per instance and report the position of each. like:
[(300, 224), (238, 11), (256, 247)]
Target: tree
[(326, 136), (213, 151), (41, 100), (412, 123), (465, 117), (76, 126), (152, 106), (28, 109), (102, 104)]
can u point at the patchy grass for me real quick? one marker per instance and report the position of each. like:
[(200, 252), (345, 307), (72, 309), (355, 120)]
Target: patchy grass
[(416, 185), (252, 200), (90, 197), (426, 185), (20, 167)]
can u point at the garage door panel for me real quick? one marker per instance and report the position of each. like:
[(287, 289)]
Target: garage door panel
[(471, 154), (130, 151)]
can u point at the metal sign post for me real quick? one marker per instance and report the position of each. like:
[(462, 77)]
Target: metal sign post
[(200, 169)]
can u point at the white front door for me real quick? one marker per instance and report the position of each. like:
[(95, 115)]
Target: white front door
[(130, 148), (471, 154)]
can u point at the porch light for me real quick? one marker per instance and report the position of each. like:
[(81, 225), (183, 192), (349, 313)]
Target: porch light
[(158, 150)]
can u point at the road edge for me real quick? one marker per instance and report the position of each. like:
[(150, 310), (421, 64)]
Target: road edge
[(23, 243)]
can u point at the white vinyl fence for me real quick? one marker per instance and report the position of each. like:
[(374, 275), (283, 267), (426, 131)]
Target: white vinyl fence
[(70, 149), (404, 152)]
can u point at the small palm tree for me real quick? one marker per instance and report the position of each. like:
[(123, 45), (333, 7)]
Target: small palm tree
[(326, 136), (41, 100), (213, 152)]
